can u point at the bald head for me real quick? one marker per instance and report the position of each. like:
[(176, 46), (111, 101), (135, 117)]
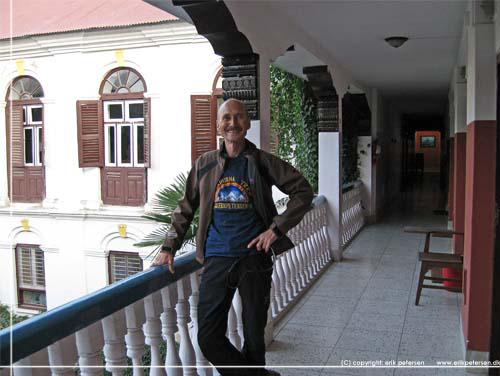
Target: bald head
[(232, 121), (231, 101)]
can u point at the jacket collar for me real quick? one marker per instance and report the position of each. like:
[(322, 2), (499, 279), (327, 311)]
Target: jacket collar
[(250, 149)]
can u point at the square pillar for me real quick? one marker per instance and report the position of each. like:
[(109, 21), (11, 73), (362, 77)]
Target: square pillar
[(459, 158), (480, 182)]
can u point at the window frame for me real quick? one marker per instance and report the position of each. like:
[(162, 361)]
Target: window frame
[(118, 125), (19, 289), (122, 253), (36, 128)]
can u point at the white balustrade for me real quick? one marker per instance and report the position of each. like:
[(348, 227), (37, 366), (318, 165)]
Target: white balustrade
[(115, 329), (135, 317), (152, 331), (62, 354), (169, 297), (169, 316), (352, 213), (186, 351), (201, 362), (89, 342)]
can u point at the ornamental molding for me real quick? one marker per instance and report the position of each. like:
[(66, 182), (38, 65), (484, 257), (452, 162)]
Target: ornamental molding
[(171, 32)]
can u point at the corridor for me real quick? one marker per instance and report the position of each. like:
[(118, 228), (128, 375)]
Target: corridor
[(363, 307)]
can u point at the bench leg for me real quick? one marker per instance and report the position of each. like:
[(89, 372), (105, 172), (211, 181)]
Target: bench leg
[(423, 270)]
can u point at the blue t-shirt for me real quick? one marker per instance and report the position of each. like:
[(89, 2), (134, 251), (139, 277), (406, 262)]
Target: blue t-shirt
[(235, 221)]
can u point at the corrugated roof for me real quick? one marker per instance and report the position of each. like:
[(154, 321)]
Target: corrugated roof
[(32, 17)]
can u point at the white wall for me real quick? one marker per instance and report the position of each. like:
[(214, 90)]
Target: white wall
[(73, 228)]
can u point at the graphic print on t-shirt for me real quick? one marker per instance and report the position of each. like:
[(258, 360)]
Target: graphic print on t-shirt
[(232, 195)]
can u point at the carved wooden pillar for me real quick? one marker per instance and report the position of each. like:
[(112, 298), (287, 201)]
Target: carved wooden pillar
[(240, 81)]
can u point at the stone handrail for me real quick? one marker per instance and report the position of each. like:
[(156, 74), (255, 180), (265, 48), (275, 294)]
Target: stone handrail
[(155, 308)]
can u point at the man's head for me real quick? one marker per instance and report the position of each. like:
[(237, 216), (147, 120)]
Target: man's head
[(232, 120)]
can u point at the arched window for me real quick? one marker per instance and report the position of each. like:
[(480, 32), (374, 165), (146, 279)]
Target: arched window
[(25, 87), (26, 122), (114, 134), (121, 81)]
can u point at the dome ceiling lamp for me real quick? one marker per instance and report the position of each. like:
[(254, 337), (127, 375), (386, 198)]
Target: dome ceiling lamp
[(396, 41)]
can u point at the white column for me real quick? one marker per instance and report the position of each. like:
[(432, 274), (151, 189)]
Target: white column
[(186, 351), (330, 186), (152, 331)]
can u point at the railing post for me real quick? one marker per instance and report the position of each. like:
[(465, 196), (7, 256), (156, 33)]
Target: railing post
[(201, 362), (169, 320), (114, 329), (152, 330), (135, 317), (186, 352), (89, 342), (40, 358), (63, 353)]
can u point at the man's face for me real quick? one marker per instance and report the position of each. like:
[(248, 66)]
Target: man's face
[(233, 122)]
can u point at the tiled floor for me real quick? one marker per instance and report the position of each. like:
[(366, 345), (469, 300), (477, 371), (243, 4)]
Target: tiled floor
[(363, 307)]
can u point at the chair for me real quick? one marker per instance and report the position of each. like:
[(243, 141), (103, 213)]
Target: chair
[(431, 260)]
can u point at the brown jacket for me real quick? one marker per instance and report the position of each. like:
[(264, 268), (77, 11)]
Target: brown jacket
[(264, 171)]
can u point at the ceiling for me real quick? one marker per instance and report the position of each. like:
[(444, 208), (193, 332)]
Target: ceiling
[(352, 33)]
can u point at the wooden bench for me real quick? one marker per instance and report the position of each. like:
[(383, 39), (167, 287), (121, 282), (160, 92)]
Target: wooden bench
[(431, 260)]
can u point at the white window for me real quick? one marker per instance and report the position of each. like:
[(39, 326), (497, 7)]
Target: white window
[(124, 133), (30, 276), (32, 121), (123, 265)]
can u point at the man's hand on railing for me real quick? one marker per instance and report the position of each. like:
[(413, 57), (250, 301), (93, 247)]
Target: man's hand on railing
[(163, 258), (263, 241)]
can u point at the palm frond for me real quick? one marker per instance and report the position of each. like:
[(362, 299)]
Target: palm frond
[(163, 204)]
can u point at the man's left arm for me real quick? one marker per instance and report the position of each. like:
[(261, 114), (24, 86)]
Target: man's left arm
[(291, 182)]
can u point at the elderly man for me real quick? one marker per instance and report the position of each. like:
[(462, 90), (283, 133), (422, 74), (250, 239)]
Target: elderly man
[(239, 229)]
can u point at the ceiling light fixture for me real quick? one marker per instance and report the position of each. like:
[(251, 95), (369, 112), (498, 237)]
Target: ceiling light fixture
[(396, 42)]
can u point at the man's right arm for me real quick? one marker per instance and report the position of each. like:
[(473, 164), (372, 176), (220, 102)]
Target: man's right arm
[(181, 219)]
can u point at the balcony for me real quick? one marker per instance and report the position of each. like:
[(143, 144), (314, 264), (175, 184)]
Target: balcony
[(321, 312)]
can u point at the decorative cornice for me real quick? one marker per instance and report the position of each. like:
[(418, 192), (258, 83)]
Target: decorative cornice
[(100, 40)]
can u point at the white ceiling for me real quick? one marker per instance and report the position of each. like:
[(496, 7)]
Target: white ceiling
[(353, 33)]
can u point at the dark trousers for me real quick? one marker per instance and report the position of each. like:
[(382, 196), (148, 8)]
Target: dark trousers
[(252, 276)]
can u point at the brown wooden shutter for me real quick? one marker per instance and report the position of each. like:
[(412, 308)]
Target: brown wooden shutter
[(90, 133), (203, 118), (147, 132), (17, 137)]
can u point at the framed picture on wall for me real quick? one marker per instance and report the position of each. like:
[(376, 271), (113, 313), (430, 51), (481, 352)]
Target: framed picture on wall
[(427, 141)]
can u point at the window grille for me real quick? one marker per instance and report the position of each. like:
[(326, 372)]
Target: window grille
[(31, 276), (123, 265)]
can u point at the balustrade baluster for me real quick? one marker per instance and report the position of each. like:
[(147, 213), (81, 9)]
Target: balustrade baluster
[(282, 279), (135, 318), (317, 245), (30, 363), (305, 253), (89, 343), (201, 361), (294, 236), (152, 331), (291, 266), (63, 353), (276, 290), (114, 329), (232, 328), (238, 309), (274, 301), (286, 271), (186, 352), (169, 328)]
